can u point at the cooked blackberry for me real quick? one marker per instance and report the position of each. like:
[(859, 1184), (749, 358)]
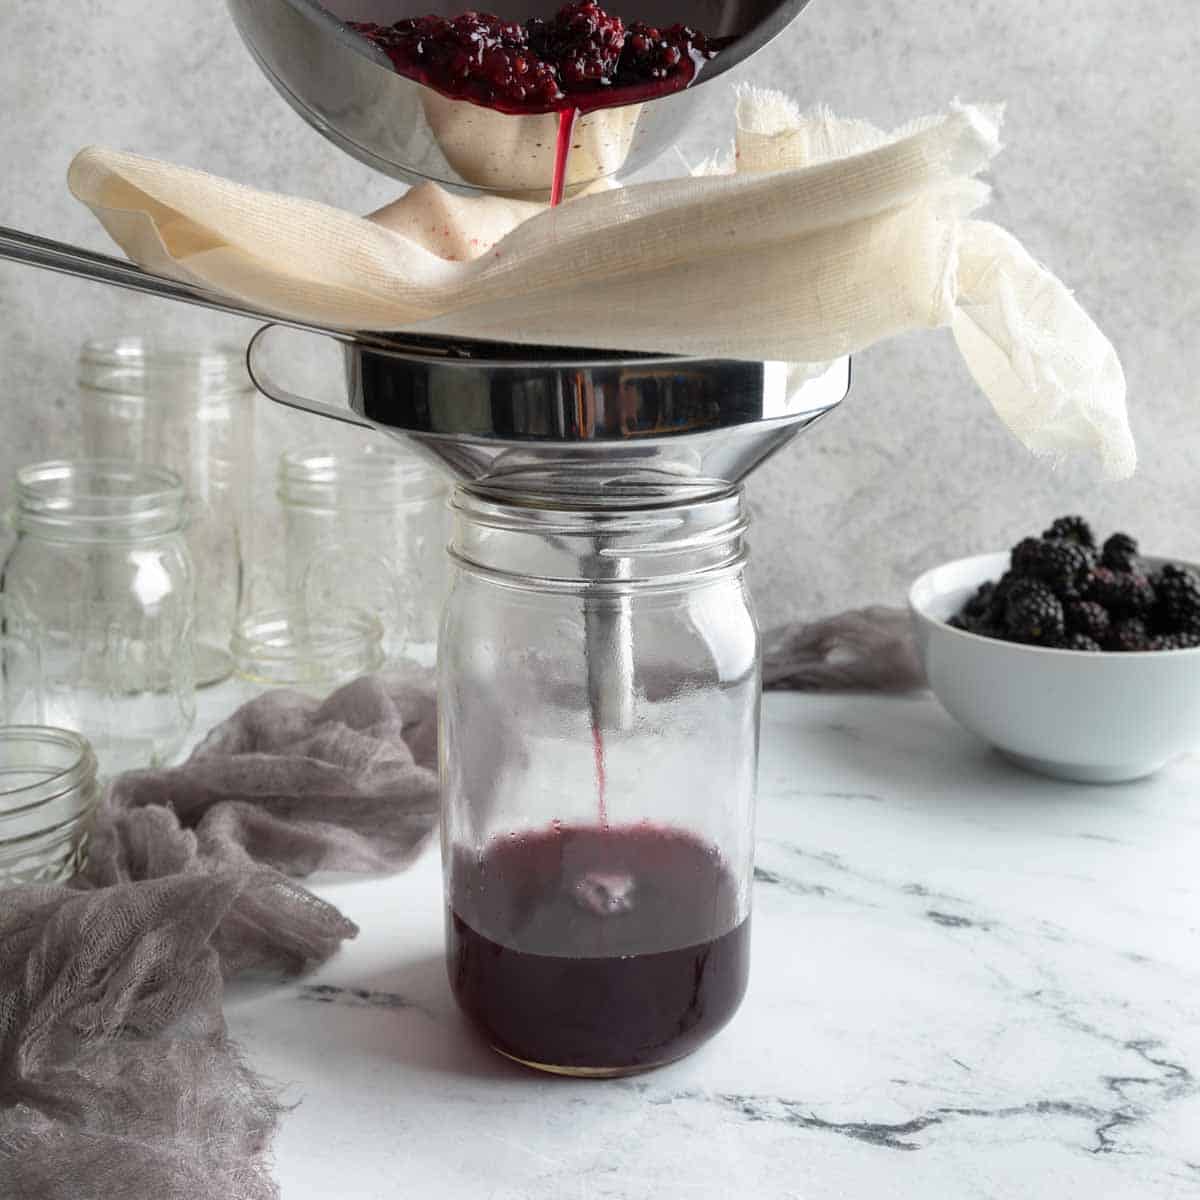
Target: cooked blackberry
[(1178, 592), (1062, 566), (1080, 641), (1128, 635), (1123, 593), (1071, 529), (1033, 613), (1120, 552), (1088, 618)]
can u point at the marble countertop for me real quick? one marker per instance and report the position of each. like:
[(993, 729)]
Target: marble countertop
[(966, 982)]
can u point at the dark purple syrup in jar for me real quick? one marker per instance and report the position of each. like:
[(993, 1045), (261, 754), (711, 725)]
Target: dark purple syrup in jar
[(597, 950)]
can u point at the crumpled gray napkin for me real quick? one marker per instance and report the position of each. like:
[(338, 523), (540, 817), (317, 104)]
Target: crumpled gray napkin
[(117, 1079), (866, 650)]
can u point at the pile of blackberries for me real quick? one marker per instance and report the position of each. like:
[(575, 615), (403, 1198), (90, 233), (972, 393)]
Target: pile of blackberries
[(1063, 592)]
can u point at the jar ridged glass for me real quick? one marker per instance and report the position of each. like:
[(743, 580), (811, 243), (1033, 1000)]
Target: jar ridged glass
[(367, 528), (191, 410), (100, 580), (599, 686)]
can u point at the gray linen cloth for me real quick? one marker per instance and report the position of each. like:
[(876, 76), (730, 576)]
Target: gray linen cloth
[(866, 650), (118, 1080)]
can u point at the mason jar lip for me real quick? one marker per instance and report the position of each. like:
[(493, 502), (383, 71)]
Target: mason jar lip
[(149, 500), (541, 515), (310, 476), (77, 772), (268, 638), (601, 552), (218, 358)]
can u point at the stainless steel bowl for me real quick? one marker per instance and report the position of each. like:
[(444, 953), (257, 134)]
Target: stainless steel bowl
[(347, 90)]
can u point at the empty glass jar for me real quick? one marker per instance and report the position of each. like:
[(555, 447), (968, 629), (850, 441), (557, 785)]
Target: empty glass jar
[(100, 582), (48, 793), (315, 655), (599, 691), (367, 529), (21, 700), (190, 410)]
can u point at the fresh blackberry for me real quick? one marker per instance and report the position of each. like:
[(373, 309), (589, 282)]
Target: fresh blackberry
[(1178, 592), (1079, 641), (1062, 566), (980, 626), (1023, 554), (1128, 635), (999, 600), (1175, 641), (1123, 593), (1087, 618), (980, 604), (1120, 552), (1071, 529), (1033, 613), (1188, 627)]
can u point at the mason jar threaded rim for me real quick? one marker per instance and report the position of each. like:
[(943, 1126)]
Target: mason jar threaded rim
[(98, 500), (47, 781), (377, 477), (542, 548), (132, 365), (289, 647)]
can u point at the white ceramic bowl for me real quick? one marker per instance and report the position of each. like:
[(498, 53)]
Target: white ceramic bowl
[(1094, 718)]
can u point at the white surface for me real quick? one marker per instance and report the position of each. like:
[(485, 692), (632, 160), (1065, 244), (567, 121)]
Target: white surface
[(967, 982), (1092, 717)]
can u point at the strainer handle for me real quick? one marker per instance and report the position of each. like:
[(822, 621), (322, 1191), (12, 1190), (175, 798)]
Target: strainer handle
[(262, 380)]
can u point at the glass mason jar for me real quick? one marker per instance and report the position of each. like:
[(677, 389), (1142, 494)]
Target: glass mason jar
[(282, 649), (599, 686), (190, 410), (48, 795), (100, 581), (368, 529)]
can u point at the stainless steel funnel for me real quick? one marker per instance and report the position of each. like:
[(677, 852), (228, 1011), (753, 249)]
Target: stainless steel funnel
[(347, 90), (577, 429)]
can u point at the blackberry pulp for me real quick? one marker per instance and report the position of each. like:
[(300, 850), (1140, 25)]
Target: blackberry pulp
[(596, 950), (580, 60)]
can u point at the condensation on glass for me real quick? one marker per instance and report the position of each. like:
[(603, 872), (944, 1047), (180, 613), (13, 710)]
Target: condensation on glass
[(367, 528), (190, 410), (100, 582), (599, 688)]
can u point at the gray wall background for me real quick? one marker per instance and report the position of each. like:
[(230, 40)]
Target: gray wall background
[(1101, 179)]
